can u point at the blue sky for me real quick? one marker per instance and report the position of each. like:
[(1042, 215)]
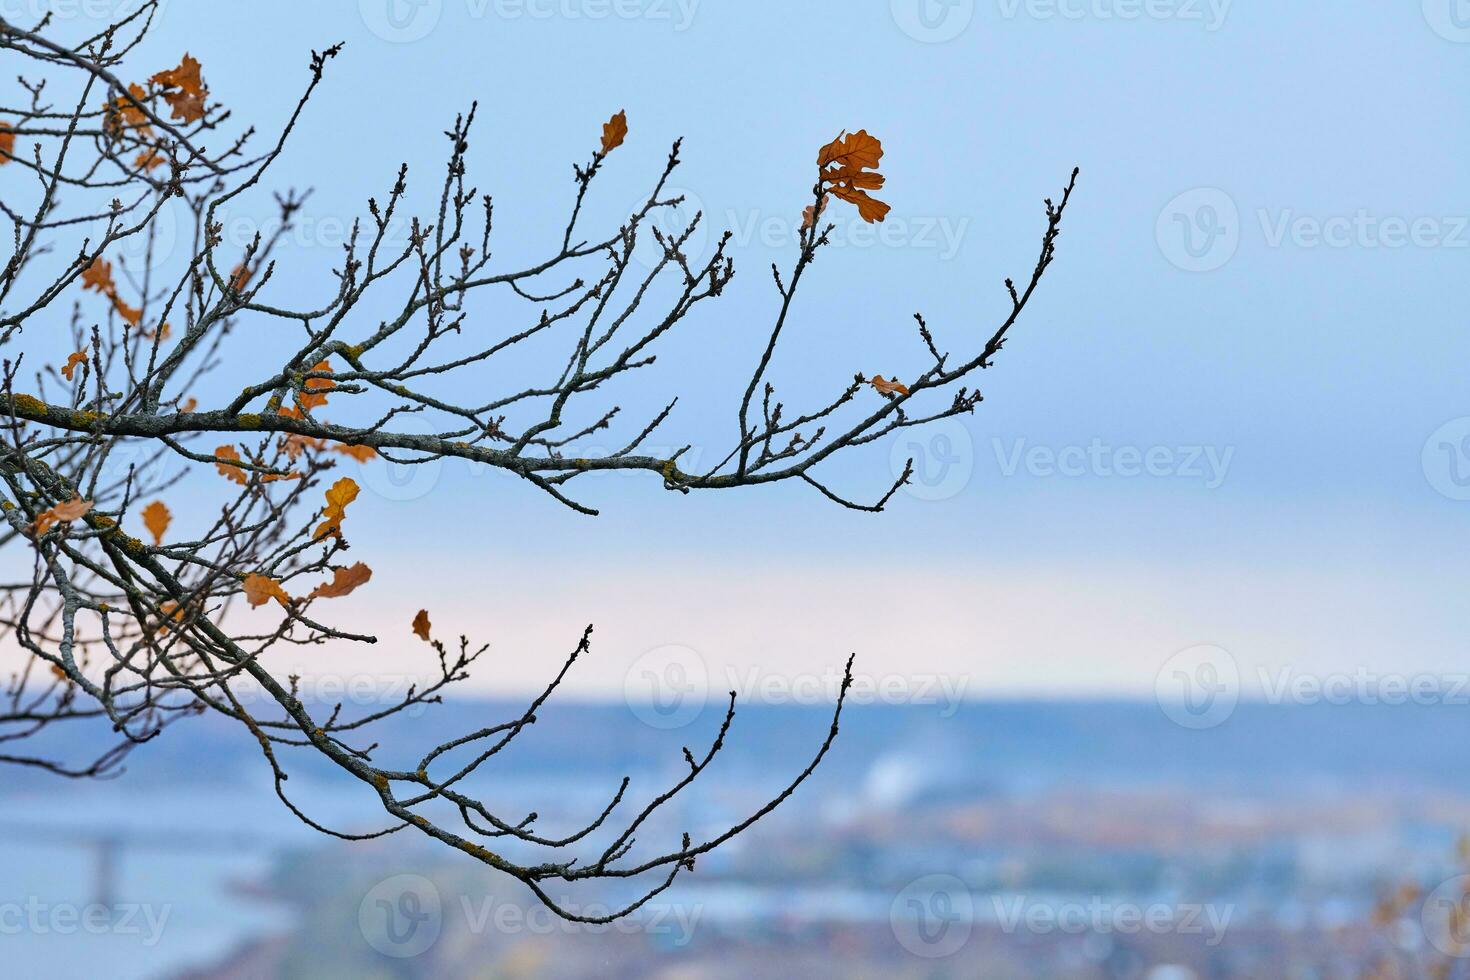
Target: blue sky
[(1282, 371)]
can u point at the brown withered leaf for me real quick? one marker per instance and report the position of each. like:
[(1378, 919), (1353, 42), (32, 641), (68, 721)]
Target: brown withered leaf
[(7, 143), (810, 215), (185, 77), (234, 474), (894, 387), (260, 589), (240, 277), (421, 625), (344, 580), (339, 495), (614, 131), (61, 513), (124, 113), (187, 102), (98, 276), (156, 519), (854, 160), (149, 160), (363, 454), (315, 395), (67, 369), (858, 151)]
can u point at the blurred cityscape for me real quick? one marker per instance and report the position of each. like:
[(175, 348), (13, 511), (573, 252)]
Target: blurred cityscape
[(1006, 840)]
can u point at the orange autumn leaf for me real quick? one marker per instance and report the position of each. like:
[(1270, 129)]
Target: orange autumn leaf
[(363, 454), (344, 580), (315, 393), (894, 387), (156, 519), (161, 333), (131, 314), (856, 150), (98, 276), (234, 474), (186, 76), (614, 131), (295, 445), (239, 277), (69, 368), (339, 495), (188, 102), (148, 160), (810, 214), (189, 404), (289, 411), (125, 112), (7, 143), (853, 161), (61, 513), (260, 589), (421, 625)]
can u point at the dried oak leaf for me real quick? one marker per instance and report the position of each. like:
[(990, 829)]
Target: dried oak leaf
[(363, 454), (614, 131), (260, 589), (98, 276), (188, 102), (7, 143), (69, 368), (156, 519), (149, 160), (853, 161), (124, 112), (234, 474), (884, 387), (61, 513), (339, 495), (240, 276), (344, 580), (421, 625), (315, 393)]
